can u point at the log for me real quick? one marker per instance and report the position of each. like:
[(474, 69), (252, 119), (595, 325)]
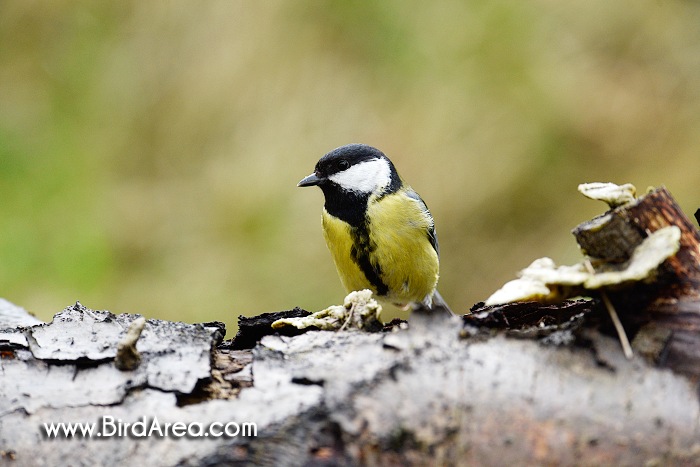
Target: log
[(517, 384), (419, 396)]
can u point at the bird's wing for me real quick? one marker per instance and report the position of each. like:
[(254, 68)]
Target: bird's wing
[(432, 234)]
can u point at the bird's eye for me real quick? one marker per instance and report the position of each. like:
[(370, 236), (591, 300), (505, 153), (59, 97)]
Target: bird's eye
[(343, 164)]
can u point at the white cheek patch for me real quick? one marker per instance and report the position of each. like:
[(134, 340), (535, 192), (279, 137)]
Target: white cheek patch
[(364, 177)]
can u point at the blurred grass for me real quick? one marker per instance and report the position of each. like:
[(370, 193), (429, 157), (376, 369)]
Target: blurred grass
[(149, 151)]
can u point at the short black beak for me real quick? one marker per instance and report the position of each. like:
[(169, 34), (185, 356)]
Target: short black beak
[(311, 180)]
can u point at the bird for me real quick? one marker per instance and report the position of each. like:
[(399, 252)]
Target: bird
[(379, 231)]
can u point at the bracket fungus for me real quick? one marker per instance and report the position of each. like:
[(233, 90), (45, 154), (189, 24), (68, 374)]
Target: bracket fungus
[(359, 311), (546, 282), (628, 257)]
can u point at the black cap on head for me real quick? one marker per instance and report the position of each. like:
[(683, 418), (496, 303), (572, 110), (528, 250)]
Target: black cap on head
[(346, 156)]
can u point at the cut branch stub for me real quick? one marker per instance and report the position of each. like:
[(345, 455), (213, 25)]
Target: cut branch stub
[(668, 317)]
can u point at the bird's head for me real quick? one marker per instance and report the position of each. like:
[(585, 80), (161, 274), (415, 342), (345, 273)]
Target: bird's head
[(355, 168)]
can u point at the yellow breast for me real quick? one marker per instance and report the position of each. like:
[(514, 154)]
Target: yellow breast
[(339, 238), (396, 245)]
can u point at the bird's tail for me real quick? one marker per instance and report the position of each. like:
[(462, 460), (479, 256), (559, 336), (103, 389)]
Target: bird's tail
[(440, 304)]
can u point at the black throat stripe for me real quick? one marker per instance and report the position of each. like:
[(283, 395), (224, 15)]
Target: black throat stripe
[(348, 206)]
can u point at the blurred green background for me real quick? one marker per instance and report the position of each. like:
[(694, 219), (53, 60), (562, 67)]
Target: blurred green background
[(149, 151)]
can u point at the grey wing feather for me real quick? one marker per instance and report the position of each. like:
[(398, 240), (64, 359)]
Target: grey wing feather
[(435, 301), (432, 234)]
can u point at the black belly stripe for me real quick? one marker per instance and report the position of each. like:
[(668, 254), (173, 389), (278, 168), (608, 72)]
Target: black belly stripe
[(351, 207), (360, 252)]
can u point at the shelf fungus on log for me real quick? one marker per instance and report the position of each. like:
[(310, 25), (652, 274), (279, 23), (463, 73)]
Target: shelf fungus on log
[(642, 260), (544, 281), (613, 195), (359, 311)]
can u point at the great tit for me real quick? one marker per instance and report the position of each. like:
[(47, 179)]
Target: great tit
[(379, 231)]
